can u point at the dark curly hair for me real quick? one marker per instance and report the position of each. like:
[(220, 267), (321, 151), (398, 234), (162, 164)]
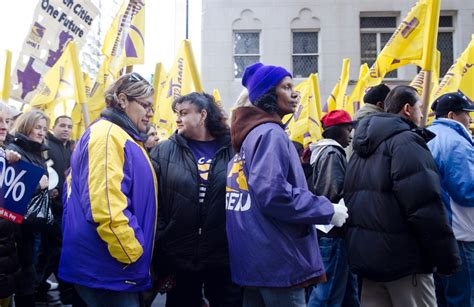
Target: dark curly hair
[(216, 120), (268, 101)]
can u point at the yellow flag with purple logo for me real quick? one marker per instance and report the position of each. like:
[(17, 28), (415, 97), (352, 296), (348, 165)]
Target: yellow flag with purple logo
[(124, 43), (460, 77), (62, 89), (183, 78), (407, 44), (304, 125)]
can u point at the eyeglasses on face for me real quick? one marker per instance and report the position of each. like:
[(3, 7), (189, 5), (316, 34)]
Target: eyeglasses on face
[(146, 106)]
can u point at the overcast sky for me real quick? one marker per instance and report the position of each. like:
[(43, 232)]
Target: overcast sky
[(165, 28)]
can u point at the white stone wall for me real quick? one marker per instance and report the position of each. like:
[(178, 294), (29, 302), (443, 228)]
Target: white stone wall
[(339, 35)]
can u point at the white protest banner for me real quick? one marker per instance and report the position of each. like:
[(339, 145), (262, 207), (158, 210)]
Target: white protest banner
[(55, 23)]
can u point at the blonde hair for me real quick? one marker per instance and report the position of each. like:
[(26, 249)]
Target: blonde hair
[(132, 85), (26, 122)]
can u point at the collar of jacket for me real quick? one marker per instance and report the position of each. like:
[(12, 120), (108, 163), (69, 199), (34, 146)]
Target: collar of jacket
[(244, 119), (122, 120), (52, 138), (367, 109), (223, 141), (320, 145), (29, 145), (456, 126)]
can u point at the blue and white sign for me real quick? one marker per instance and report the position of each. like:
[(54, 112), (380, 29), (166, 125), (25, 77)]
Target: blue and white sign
[(18, 181)]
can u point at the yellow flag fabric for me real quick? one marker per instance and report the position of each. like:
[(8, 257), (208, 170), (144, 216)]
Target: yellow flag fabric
[(356, 100), (338, 94), (62, 89), (6, 82), (419, 79), (124, 43), (406, 46), (183, 78), (217, 97), (460, 77), (56, 93), (304, 125)]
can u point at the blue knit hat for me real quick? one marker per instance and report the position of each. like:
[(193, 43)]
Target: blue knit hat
[(259, 78)]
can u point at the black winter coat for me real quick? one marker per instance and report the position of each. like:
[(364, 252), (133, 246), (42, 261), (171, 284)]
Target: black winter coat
[(329, 171), (190, 236), (397, 224), (8, 258), (61, 156)]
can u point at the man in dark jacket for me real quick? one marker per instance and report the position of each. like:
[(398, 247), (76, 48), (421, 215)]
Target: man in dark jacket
[(374, 101), (398, 232), (328, 161), (59, 152)]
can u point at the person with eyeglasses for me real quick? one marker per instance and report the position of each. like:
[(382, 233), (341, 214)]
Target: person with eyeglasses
[(110, 202)]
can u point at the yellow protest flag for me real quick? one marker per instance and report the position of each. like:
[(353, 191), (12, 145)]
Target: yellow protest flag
[(356, 100), (124, 43), (408, 43), (6, 82), (56, 83), (338, 94), (159, 81), (460, 77), (419, 79), (183, 78), (304, 125), (217, 97), (62, 89), (96, 91)]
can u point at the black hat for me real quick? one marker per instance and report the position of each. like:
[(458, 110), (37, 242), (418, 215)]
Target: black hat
[(376, 94), (451, 102)]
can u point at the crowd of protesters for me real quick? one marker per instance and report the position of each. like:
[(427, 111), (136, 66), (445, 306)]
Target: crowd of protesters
[(230, 212)]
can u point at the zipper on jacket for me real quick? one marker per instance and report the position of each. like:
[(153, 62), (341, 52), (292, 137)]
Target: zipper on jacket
[(189, 152)]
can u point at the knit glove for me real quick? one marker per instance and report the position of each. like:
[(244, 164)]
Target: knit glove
[(340, 214)]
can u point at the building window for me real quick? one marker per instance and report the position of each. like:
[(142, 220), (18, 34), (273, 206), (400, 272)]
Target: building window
[(246, 51), (305, 53), (445, 44), (375, 32)]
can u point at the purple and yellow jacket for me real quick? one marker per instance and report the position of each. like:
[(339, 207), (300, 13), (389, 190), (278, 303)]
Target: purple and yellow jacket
[(110, 209)]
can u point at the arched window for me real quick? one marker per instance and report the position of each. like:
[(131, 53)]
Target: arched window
[(246, 41)]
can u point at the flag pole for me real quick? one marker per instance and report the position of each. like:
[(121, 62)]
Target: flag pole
[(187, 19), (79, 83), (428, 55)]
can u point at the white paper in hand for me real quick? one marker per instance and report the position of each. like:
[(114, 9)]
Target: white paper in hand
[(327, 228)]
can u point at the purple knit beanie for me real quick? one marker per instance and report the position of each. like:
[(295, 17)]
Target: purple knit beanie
[(259, 78)]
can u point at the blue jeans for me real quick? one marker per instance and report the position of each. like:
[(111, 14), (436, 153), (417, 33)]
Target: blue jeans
[(341, 286), (458, 289), (101, 297), (275, 297)]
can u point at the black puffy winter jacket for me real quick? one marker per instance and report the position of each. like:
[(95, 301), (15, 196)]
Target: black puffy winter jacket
[(397, 224), (190, 236)]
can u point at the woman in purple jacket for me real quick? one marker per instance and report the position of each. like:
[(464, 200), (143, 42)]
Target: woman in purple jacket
[(270, 212)]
